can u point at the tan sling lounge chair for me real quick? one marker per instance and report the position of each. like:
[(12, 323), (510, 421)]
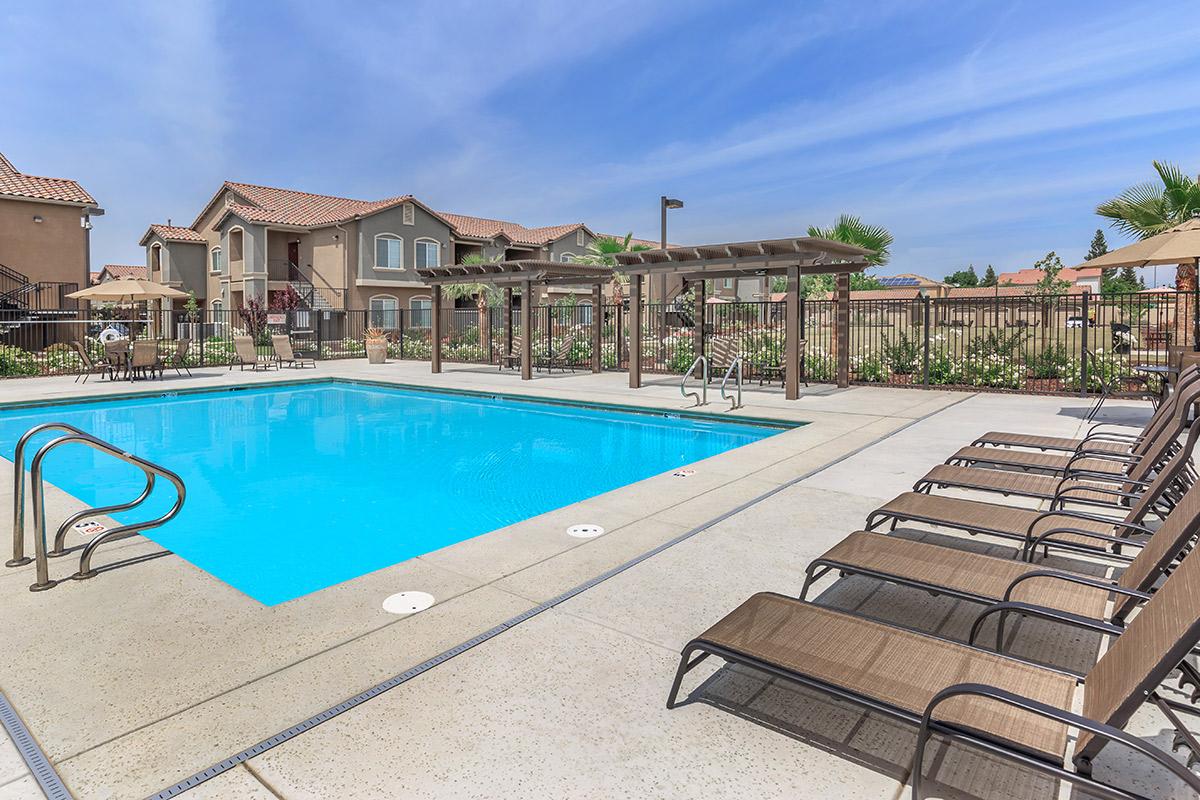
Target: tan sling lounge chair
[(282, 344), (1071, 529), (559, 357), (1097, 438), (1006, 585), (1003, 706), (88, 366), (511, 359), (247, 356), (145, 359)]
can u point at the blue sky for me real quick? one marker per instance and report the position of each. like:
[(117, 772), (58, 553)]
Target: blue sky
[(977, 132)]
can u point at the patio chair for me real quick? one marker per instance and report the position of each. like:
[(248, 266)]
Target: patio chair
[(1088, 532), (1006, 586), (1105, 460), (145, 358), (560, 357), (1110, 474), (116, 353), (721, 354), (512, 359), (248, 356), (178, 359), (282, 344), (89, 367), (1095, 439), (777, 370), (1001, 705)]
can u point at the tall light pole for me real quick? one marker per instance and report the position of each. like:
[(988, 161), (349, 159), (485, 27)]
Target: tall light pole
[(665, 203)]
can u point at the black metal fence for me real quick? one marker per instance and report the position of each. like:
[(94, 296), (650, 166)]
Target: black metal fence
[(1025, 342)]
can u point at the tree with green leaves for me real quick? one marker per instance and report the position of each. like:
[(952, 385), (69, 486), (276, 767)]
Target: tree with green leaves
[(989, 277), (849, 229), (1151, 208), (481, 293), (964, 278), (1049, 284), (602, 251), (1124, 281), (1098, 247)]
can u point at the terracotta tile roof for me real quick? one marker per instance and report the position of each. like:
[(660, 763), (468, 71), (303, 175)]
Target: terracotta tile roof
[(999, 291), (1030, 276), (901, 293), (634, 241), (484, 228), (123, 271), (174, 233), (93, 277), (303, 209), (35, 187)]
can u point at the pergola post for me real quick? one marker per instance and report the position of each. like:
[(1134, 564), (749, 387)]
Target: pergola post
[(792, 335), (842, 329), (699, 312), (527, 330), (435, 327), (635, 331), (597, 326), (508, 321)]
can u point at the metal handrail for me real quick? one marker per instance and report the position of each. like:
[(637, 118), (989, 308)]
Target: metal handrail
[(703, 387), (19, 558), (39, 505), (734, 403)]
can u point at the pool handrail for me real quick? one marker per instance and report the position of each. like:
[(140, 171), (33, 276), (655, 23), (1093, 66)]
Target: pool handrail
[(702, 361), (19, 558), (735, 403), (39, 505)]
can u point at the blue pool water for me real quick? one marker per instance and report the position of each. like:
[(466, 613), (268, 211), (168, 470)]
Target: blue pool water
[(293, 489)]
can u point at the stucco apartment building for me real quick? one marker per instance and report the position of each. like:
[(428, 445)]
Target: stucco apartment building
[(44, 238), (254, 241)]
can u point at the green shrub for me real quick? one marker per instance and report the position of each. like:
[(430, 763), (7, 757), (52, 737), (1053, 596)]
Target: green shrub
[(870, 367), (1052, 362), (903, 356), (17, 362)]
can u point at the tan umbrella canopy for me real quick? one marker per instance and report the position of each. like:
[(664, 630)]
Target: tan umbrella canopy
[(1179, 245), (129, 289)]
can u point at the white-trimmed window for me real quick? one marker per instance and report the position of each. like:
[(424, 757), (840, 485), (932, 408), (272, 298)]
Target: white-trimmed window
[(428, 252), (389, 251), (420, 311), (567, 258), (156, 258), (579, 242), (216, 261), (728, 283), (383, 313), (408, 214)]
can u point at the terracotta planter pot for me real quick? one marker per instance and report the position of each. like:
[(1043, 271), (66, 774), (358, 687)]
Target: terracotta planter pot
[(376, 351)]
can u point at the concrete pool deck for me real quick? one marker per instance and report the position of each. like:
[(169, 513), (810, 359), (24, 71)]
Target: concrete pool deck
[(137, 679)]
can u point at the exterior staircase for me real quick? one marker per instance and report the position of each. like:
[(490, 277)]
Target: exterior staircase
[(312, 297)]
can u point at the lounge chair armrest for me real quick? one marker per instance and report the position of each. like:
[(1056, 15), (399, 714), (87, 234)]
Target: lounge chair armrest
[(1062, 512), (1092, 430), (1069, 718), (1062, 491), (1115, 438), (1104, 477), (1041, 612), (1071, 577), (1046, 538), (1102, 455)]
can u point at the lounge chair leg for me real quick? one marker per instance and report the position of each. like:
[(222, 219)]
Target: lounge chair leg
[(685, 666), (919, 761)]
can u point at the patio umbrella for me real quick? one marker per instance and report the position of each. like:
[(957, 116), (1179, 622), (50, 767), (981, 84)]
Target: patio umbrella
[(1179, 245), (131, 290)]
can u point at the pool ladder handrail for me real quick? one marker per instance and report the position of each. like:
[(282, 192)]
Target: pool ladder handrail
[(42, 555), (735, 402), (701, 360)]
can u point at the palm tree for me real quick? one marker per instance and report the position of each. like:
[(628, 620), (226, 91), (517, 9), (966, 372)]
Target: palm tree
[(848, 229), (601, 251), (1149, 209), (483, 293)]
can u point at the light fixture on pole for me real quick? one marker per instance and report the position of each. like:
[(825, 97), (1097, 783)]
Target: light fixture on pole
[(665, 203)]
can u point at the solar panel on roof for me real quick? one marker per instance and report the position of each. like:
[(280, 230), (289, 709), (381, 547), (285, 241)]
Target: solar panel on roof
[(893, 282)]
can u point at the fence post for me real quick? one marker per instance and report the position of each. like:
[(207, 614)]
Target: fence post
[(1083, 347), (318, 318), (925, 333)]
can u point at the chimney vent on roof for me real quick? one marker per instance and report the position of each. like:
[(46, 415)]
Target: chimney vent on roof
[(168, 222)]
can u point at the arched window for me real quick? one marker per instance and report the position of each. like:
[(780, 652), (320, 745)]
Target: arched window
[(567, 258), (428, 252), (216, 261), (389, 251), (155, 258), (420, 309), (382, 314), (584, 311)]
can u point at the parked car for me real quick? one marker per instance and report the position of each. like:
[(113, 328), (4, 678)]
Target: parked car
[(1076, 321)]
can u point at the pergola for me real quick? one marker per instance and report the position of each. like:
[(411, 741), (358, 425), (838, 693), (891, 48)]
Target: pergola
[(791, 257), (525, 274)]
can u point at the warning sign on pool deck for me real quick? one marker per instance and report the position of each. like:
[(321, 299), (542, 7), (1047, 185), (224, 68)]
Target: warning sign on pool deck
[(89, 527)]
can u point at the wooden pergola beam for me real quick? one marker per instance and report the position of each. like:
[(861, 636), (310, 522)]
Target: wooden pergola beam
[(635, 331), (597, 327), (527, 331), (435, 328)]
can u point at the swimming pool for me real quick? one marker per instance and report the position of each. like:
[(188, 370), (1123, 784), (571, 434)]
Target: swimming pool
[(295, 488)]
